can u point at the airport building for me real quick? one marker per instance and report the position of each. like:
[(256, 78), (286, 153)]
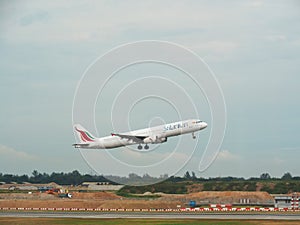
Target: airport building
[(287, 201)]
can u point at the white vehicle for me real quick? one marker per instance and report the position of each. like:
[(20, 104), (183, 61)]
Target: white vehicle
[(152, 135)]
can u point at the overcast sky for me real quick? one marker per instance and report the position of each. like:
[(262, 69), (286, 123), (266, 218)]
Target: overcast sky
[(253, 48)]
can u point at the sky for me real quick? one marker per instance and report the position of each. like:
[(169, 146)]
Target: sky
[(252, 47)]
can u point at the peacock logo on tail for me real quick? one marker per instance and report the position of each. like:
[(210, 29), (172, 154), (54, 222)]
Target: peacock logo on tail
[(85, 136)]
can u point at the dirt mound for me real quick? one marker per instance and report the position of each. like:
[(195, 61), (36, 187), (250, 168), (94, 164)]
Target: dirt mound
[(231, 197), (58, 203), (140, 204), (72, 203), (34, 195), (231, 194), (226, 197), (111, 200), (43, 200), (95, 195)]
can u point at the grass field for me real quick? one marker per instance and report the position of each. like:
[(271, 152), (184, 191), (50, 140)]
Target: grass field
[(57, 221)]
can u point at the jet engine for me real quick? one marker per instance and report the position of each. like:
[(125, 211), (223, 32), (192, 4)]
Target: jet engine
[(155, 139)]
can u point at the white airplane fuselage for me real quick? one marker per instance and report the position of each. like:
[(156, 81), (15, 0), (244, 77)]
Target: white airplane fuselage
[(152, 135)]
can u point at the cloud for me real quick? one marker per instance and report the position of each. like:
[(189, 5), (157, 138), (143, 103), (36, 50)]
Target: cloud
[(13, 161), (8, 153), (290, 149), (226, 155), (100, 22), (277, 161), (255, 4), (276, 37), (40, 16)]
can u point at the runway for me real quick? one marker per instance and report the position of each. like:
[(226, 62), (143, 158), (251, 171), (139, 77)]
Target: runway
[(152, 215)]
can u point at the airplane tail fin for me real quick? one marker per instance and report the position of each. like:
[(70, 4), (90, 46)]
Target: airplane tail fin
[(83, 134)]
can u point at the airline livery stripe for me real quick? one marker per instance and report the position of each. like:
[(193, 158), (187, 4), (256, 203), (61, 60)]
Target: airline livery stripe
[(89, 135), (84, 136)]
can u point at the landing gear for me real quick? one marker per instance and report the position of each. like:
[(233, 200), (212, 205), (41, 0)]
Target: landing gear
[(140, 147), (193, 135)]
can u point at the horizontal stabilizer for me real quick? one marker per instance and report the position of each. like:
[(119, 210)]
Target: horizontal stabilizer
[(80, 145)]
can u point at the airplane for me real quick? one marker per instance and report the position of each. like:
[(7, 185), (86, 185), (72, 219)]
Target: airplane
[(152, 135)]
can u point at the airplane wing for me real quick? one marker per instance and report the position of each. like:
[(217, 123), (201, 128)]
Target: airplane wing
[(137, 139)]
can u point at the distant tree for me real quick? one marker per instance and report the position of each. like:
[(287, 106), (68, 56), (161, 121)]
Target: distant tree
[(7, 178), (146, 176), (35, 173), (133, 176), (73, 178), (21, 179), (187, 175), (265, 176), (286, 176), (36, 177), (175, 179), (267, 188), (58, 178), (296, 178), (163, 176), (249, 186), (194, 177)]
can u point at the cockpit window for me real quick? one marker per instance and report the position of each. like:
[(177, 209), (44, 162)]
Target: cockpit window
[(198, 121)]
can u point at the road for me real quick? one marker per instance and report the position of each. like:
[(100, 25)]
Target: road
[(152, 215)]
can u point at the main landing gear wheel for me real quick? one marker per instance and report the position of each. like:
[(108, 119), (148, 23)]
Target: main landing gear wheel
[(146, 147), (193, 135), (140, 147)]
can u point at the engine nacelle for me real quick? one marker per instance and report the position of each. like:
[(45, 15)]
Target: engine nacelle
[(155, 139), (162, 140)]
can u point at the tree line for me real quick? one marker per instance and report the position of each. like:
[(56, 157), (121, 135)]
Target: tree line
[(76, 178), (71, 178), (182, 185)]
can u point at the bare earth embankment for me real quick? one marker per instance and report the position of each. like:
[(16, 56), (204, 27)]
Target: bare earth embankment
[(109, 200)]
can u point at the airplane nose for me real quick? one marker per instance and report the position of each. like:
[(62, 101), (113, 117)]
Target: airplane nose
[(203, 125)]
